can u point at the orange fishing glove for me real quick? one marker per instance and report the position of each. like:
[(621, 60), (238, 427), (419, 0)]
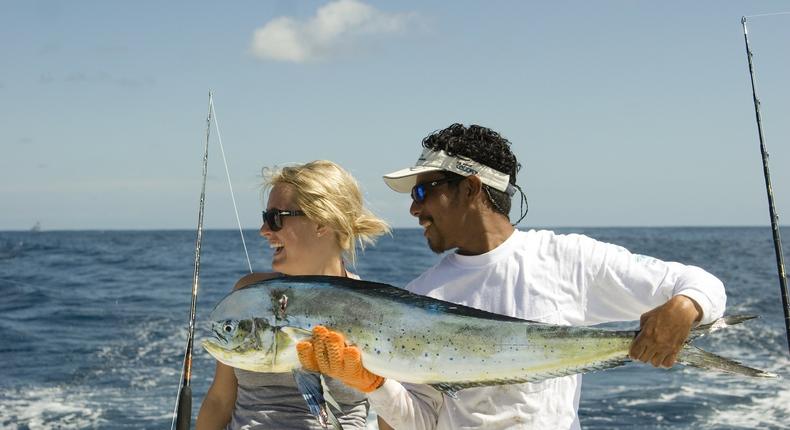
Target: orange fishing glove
[(304, 349), (328, 353)]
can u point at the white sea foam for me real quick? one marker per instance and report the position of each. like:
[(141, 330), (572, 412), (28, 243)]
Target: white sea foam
[(764, 412), (139, 368), (48, 408), (767, 402), (734, 402), (662, 398)]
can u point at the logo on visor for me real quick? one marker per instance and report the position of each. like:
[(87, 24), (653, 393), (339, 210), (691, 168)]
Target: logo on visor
[(465, 168)]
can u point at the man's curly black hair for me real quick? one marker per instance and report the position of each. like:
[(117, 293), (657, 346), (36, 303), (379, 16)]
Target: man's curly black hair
[(483, 145)]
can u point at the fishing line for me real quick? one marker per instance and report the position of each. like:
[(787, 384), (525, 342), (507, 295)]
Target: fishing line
[(780, 264), (767, 14), (230, 184), (178, 397)]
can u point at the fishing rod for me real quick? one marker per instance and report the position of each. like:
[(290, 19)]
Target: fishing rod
[(183, 416), (780, 264)]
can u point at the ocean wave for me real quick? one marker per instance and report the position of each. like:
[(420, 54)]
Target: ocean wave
[(104, 316)]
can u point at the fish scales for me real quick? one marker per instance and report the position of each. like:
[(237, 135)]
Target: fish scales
[(408, 337)]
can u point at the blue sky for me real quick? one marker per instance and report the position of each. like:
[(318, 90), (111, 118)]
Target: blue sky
[(623, 113)]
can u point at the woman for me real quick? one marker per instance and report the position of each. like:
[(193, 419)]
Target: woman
[(313, 220)]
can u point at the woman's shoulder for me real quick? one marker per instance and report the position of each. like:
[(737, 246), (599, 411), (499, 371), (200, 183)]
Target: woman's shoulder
[(252, 278)]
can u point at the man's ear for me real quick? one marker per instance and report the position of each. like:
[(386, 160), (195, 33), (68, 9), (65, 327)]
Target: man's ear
[(473, 186), (475, 193)]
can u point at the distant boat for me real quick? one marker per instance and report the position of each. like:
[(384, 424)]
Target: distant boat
[(36, 227)]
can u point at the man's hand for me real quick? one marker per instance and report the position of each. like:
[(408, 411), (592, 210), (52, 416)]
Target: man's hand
[(328, 353), (664, 331)]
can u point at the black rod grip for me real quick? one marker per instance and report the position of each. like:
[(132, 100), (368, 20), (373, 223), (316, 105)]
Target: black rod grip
[(184, 416)]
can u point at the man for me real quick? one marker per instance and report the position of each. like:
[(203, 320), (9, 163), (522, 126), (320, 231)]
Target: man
[(461, 189)]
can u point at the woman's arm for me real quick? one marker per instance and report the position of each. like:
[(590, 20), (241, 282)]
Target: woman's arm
[(217, 407)]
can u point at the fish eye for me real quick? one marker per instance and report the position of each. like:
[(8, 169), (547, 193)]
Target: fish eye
[(227, 327)]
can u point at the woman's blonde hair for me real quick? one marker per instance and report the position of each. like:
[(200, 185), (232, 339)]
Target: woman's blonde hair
[(330, 196)]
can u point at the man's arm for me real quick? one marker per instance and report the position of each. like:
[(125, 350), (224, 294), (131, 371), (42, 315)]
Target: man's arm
[(413, 408), (407, 406), (668, 297)]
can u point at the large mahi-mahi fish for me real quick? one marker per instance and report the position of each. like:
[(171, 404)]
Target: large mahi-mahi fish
[(418, 339)]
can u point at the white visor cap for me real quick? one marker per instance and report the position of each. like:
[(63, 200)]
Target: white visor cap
[(430, 160)]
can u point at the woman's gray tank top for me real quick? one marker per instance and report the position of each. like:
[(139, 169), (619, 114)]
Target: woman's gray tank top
[(272, 401)]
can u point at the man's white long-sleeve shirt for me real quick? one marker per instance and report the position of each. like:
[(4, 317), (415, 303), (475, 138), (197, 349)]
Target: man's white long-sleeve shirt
[(546, 277)]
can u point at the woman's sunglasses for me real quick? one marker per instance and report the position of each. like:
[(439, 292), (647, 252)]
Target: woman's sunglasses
[(419, 191), (274, 217)]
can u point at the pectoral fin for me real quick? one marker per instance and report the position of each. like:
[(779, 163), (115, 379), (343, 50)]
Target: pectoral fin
[(296, 333), (288, 337), (309, 384)]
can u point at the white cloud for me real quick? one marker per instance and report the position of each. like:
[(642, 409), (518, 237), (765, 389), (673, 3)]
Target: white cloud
[(336, 26)]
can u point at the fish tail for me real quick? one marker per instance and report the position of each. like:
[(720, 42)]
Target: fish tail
[(690, 355), (693, 356), (723, 322)]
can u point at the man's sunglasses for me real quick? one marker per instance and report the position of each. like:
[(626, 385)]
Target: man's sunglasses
[(274, 217), (419, 191)]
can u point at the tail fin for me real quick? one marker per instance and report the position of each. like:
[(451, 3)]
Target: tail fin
[(723, 322), (692, 356)]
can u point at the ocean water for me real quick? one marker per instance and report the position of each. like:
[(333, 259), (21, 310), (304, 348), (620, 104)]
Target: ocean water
[(93, 326)]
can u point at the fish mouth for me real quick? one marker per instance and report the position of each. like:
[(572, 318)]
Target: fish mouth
[(220, 352), (252, 361), (215, 349)]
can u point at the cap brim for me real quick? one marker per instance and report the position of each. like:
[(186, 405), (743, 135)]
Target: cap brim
[(403, 180)]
